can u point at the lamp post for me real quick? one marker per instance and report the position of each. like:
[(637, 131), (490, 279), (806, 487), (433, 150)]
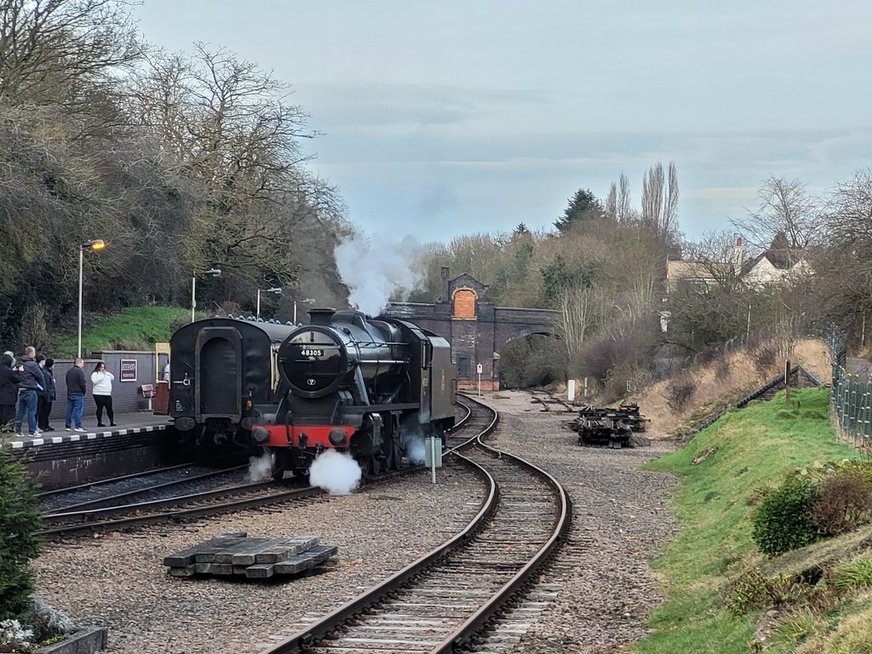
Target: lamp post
[(94, 246), (306, 301), (212, 272), (277, 290)]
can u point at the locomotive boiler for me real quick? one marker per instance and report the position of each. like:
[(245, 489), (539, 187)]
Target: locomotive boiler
[(358, 384), (220, 369)]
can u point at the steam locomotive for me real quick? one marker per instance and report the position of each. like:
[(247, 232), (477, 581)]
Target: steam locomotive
[(346, 381)]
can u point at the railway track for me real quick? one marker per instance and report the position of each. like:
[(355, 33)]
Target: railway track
[(146, 484), (446, 597)]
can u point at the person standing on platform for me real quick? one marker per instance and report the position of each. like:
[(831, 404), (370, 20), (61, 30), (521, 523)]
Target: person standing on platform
[(102, 381), (28, 388), (75, 396), (9, 380), (48, 396)]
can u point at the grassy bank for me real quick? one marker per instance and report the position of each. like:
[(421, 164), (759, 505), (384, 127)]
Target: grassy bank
[(136, 328), (723, 473)]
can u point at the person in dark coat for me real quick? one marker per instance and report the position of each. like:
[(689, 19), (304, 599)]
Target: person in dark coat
[(75, 396), (48, 396), (28, 389), (9, 380)]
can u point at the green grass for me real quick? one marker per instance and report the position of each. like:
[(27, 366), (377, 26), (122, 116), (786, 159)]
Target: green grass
[(741, 454), (136, 328)]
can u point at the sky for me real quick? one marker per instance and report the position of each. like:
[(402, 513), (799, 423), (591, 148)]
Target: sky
[(439, 119)]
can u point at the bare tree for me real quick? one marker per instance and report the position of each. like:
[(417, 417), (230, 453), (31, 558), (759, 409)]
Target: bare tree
[(652, 197), (849, 211), (611, 208), (669, 222), (786, 208), (716, 255), (232, 125), (48, 48), (624, 203)]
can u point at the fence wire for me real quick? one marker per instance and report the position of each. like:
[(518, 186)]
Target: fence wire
[(851, 406)]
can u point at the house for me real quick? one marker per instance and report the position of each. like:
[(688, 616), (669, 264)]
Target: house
[(774, 266)]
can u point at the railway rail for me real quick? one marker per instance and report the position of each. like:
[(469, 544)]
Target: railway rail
[(442, 600), (147, 483)]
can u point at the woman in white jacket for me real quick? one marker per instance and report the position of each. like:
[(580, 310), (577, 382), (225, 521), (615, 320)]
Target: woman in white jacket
[(102, 381)]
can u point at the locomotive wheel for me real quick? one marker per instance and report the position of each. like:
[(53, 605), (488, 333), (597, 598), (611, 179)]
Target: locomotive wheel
[(394, 455), (280, 464), (374, 465)]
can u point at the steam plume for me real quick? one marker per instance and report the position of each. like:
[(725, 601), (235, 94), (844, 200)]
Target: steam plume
[(335, 472), (374, 273), (260, 467)]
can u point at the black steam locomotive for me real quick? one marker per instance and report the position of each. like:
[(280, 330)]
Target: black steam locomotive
[(357, 384), (346, 381)]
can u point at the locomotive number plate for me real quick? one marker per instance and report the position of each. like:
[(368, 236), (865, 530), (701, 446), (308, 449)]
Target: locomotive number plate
[(310, 352)]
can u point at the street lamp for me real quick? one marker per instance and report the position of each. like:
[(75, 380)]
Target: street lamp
[(94, 246), (306, 301), (212, 272), (277, 290)]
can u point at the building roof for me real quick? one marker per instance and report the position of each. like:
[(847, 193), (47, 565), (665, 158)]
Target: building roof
[(782, 259), (676, 270)]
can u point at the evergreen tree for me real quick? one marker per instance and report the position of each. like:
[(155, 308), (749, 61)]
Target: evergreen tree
[(583, 207), (19, 521)]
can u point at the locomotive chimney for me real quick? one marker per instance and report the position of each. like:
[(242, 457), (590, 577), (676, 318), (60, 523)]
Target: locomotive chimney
[(320, 316), (444, 273)]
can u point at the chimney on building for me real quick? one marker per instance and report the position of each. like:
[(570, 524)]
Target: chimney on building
[(444, 274), (738, 255)]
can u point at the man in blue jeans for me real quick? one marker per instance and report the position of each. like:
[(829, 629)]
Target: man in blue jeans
[(27, 392), (75, 396)]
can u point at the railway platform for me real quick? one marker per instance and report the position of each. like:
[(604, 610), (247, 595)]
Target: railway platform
[(138, 422), (57, 458)]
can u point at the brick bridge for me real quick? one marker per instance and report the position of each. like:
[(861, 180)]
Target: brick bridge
[(476, 329)]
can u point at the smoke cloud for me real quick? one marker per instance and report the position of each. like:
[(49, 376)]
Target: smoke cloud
[(375, 272), (336, 472)]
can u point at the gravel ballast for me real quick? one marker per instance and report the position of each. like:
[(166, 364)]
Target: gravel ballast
[(607, 588), (620, 516)]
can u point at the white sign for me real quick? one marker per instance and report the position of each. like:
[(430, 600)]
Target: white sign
[(479, 369)]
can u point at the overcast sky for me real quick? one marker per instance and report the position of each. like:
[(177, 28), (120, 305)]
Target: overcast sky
[(450, 117)]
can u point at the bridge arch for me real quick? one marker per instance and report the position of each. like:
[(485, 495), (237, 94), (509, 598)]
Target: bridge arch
[(475, 327)]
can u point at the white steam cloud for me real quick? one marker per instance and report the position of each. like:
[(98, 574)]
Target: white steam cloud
[(415, 449), (375, 272), (260, 467), (336, 472)]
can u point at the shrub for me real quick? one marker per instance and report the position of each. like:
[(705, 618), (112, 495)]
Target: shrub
[(852, 575), (783, 520), (723, 371), (843, 503), (752, 591), (679, 391), (19, 521), (797, 626), (763, 356)]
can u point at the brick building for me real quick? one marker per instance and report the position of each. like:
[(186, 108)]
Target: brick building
[(476, 329)]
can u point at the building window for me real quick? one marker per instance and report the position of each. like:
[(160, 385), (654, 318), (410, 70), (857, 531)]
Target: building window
[(464, 304)]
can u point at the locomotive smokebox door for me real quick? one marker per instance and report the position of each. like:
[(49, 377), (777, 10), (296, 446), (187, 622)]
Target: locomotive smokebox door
[(433, 452)]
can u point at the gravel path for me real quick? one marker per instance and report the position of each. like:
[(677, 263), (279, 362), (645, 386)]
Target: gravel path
[(619, 517), (118, 580)]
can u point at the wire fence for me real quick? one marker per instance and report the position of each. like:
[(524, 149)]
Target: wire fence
[(851, 405)]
